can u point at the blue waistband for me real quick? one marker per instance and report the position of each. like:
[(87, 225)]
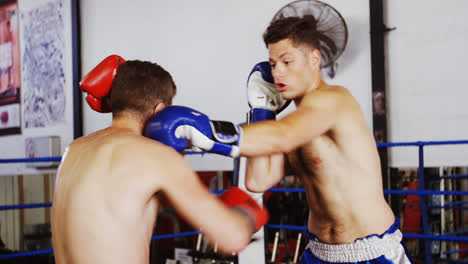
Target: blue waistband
[(394, 227)]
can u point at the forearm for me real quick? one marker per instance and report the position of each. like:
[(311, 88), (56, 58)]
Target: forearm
[(233, 229), (264, 172), (227, 227), (263, 138)]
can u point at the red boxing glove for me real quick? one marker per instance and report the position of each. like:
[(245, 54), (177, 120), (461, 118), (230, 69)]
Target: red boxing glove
[(97, 83), (237, 198)]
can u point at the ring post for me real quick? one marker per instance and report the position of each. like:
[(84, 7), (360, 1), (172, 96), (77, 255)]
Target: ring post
[(422, 205)]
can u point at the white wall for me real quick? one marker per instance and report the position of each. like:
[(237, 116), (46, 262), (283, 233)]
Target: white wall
[(427, 79), (209, 47)]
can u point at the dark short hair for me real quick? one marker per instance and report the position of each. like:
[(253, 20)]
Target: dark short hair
[(138, 86), (302, 31)]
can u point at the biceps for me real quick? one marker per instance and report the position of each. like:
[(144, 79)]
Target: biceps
[(305, 124), (191, 199)]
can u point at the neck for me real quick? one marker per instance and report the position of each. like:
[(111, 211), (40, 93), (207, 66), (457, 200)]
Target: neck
[(316, 83), (129, 124)]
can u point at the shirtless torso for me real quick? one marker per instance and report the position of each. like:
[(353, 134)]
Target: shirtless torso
[(102, 213), (107, 197), (341, 174), (326, 142), (329, 146)]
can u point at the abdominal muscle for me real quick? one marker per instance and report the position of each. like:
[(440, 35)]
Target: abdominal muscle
[(346, 202), (339, 215)]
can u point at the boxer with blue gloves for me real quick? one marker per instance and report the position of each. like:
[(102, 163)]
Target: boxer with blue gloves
[(325, 142)]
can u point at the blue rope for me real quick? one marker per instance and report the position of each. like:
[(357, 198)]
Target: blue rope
[(455, 251), (50, 251), (420, 236), (297, 228), (450, 207), (451, 261), (422, 143), (456, 233), (439, 237), (456, 203), (175, 235), (286, 190), (454, 176), (385, 191), (427, 192), (24, 206), (27, 254), (189, 152), (30, 160), (416, 192), (39, 205), (420, 192)]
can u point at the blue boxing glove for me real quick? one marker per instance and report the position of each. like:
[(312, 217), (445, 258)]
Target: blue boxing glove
[(185, 128), (264, 99)]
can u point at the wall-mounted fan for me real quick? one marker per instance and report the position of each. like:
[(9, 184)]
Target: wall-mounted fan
[(329, 22)]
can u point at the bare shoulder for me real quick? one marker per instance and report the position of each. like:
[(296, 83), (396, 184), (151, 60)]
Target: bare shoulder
[(330, 96), (335, 103), (152, 160)]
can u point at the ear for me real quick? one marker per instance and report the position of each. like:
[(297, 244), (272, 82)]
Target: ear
[(315, 58), (159, 106)]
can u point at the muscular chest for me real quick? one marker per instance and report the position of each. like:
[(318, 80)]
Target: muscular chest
[(311, 158)]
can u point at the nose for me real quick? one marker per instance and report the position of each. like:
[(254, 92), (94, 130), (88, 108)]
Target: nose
[(275, 71)]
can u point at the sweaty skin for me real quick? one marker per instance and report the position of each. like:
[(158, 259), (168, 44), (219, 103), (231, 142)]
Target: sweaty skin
[(107, 194), (327, 144)]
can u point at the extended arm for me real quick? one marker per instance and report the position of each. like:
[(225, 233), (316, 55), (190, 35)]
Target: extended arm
[(316, 115), (230, 228)]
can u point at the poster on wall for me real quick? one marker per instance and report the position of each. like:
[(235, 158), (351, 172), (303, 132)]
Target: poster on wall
[(48, 105), (43, 65), (10, 110)]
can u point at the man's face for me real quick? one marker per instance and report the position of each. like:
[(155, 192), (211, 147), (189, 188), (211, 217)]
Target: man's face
[(291, 68)]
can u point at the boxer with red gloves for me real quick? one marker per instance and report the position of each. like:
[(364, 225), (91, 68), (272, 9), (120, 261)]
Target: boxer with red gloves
[(110, 183)]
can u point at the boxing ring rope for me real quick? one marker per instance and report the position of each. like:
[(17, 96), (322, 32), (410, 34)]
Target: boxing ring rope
[(425, 236), (51, 251), (27, 160), (24, 206), (444, 237)]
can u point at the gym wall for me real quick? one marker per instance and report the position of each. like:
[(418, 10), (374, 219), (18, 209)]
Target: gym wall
[(209, 47), (427, 80)]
